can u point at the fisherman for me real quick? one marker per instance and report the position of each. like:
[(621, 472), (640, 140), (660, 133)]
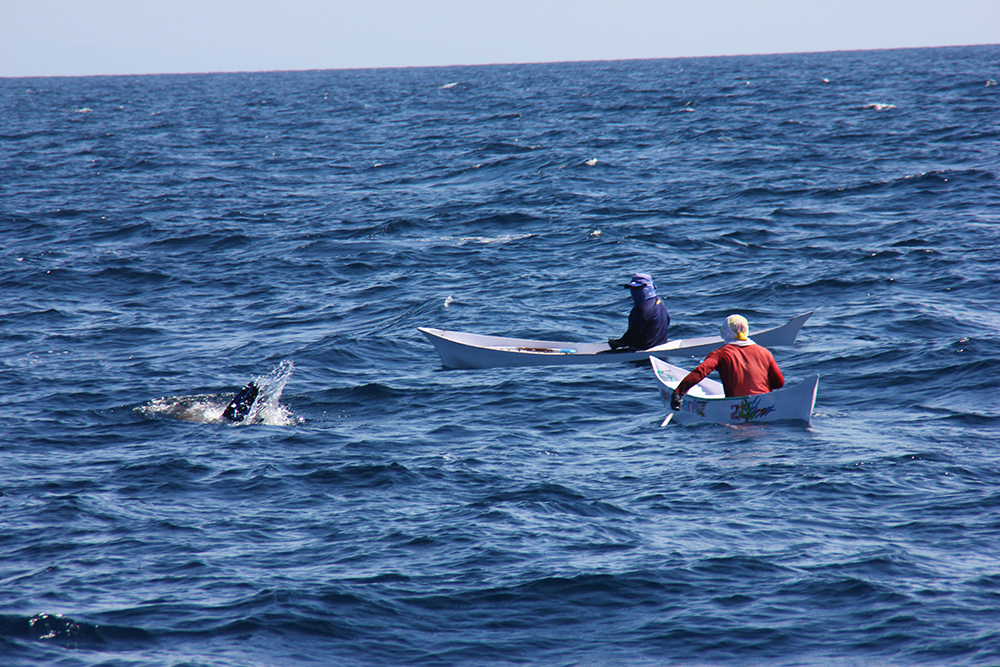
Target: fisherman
[(649, 320), (745, 367)]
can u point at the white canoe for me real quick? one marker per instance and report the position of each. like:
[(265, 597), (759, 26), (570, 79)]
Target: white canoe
[(706, 401), (466, 350)]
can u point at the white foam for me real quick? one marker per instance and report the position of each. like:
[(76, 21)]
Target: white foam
[(267, 409), (486, 240)]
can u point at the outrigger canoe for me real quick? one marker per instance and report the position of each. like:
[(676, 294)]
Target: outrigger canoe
[(706, 402), (467, 350)]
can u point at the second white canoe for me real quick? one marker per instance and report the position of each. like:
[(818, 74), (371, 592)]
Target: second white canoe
[(706, 402)]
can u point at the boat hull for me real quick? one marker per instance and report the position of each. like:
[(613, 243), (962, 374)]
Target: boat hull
[(466, 350), (706, 402)]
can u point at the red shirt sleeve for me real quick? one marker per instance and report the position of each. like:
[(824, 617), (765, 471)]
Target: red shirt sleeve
[(701, 372), (775, 378)]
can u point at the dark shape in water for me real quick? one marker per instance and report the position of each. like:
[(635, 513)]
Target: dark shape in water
[(239, 407)]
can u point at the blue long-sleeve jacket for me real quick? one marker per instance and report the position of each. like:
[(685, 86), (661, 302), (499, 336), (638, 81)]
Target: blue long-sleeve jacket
[(647, 324)]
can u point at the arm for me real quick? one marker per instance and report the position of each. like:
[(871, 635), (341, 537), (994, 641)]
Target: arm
[(628, 338), (693, 378), (775, 379), (699, 374)]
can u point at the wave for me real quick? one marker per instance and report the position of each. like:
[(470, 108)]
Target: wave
[(69, 633)]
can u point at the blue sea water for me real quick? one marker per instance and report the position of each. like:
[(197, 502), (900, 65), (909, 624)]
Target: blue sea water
[(164, 239)]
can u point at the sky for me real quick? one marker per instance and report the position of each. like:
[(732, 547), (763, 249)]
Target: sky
[(90, 37)]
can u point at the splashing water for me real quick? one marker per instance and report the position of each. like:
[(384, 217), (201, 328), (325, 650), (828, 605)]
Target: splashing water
[(208, 408), (268, 409)]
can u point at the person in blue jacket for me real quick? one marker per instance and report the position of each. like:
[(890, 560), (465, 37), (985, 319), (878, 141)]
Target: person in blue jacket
[(649, 320)]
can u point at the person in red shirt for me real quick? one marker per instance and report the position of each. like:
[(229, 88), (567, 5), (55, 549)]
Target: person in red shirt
[(745, 367)]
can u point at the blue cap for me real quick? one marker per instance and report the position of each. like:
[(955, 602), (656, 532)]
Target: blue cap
[(640, 280)]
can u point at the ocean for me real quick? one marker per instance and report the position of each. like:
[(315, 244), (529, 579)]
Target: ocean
[(165, 239)]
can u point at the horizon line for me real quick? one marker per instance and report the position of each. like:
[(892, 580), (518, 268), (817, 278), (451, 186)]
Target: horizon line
[(491, 64)]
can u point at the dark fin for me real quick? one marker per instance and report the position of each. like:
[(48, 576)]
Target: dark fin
[(239, 407)]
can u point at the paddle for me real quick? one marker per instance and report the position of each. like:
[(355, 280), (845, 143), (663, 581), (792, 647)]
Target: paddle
[(673, 410)]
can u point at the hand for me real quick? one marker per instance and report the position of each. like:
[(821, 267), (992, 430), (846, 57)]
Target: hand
[(676, 400)]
